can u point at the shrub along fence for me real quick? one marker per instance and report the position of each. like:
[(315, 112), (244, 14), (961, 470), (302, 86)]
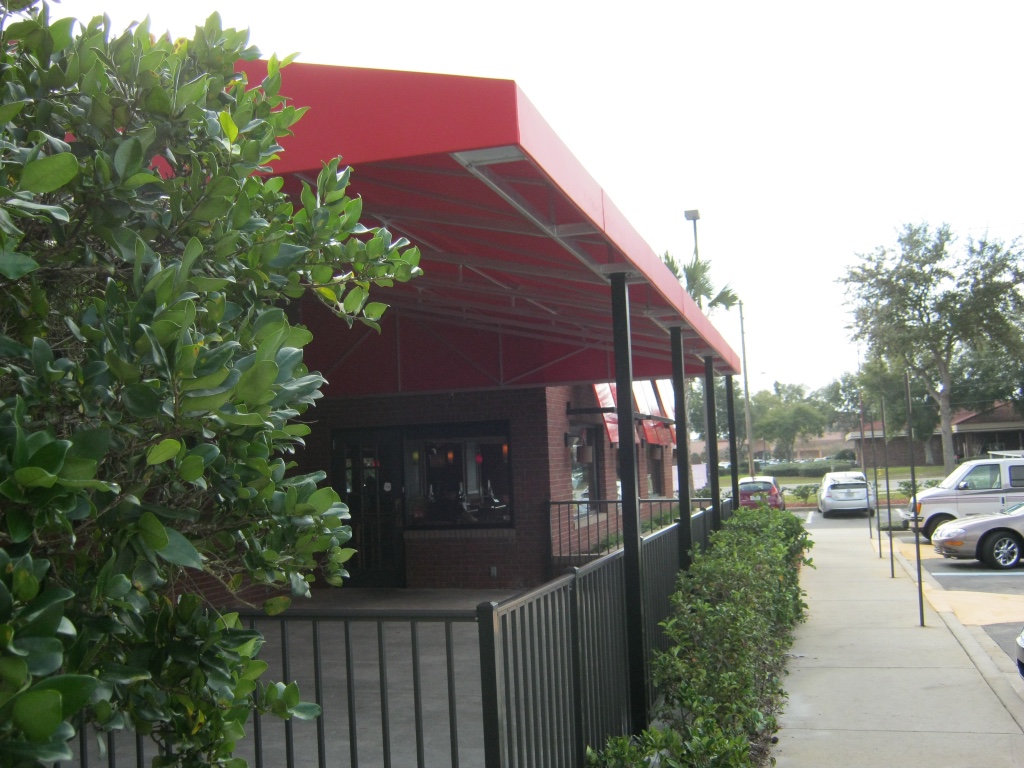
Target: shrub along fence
[(731, 623)]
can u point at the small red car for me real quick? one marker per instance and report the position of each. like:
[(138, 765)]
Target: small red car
[(755, 491)]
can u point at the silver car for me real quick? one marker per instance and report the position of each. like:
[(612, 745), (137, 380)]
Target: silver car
[(845, 492), (997, 540)]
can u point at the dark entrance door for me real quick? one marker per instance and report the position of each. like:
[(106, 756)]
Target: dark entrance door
[(368, 477)]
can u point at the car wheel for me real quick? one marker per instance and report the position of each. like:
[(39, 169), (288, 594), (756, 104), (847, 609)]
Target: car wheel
[(824, 513), (1002, 550), (871, 513)]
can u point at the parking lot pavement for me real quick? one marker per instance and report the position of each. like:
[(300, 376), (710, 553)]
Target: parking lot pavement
[(979, 597)]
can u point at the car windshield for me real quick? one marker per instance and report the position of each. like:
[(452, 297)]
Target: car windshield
[(756, 487), (850, 484), (1016, 509)]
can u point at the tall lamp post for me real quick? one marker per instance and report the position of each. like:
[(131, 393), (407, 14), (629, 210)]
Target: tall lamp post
[(746, 397), (693, 216)]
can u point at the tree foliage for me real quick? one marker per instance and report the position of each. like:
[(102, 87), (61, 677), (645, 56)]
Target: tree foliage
[(925, 304), (151, 383), (786, 415)]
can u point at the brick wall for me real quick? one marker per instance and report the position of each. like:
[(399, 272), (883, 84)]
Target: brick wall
[(504, 558)]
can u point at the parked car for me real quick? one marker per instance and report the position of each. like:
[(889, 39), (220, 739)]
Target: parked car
[(979, 487), (761, 489), (997, 540), (845, 492)]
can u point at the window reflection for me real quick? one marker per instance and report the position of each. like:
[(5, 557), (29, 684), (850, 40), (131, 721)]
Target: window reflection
[(458, 480)]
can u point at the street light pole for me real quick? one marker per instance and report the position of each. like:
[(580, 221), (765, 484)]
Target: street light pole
[(693, 216), (746, 397)]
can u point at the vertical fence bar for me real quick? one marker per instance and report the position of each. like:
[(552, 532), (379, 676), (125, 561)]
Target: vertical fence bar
[(385, 709), (417, 693), (318, 688), (286, 674), (257, 723), (350, 676), (453, 717)]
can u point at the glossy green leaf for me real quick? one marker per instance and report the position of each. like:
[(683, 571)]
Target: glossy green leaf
[(180, 551), (38, 713), (75, 691), (191, 468), (153, 531), (255, 385), (43, 655), (11, 110), (49, 173), (163, 451), (19, 524), (14, 265), (276, 605), (13, 672)]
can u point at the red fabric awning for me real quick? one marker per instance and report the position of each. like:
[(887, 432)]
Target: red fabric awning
[(518, 241)]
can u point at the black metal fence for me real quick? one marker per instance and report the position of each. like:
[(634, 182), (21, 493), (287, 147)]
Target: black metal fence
[(536, 712), (583, 530), (528, 682)]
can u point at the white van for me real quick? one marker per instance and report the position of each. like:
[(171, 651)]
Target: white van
[(979, 487)]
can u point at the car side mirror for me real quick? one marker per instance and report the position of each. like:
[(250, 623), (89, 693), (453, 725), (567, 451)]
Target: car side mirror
[(962, 485)]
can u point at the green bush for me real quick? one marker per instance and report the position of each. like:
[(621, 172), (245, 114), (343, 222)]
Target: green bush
[(731, 624), (804, 492)]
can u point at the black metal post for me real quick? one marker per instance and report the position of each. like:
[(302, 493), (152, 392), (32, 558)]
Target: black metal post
[(682, 459), (711, 440), (493, 702), (734, 463), (874, 463), (913, 502), (633, 575), (888, 494), (864, 460)]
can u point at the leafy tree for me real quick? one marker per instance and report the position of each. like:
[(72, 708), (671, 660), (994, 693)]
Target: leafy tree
[(924, 305), (986, 375), (151, 384), (842, 398), (786, 415), (880, 382)]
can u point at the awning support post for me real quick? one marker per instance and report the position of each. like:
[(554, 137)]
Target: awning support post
[(682, 455), (636, 659), (711, 441), (734, 461)]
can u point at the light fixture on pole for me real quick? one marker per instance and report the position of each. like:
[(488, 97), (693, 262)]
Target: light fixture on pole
[(693, 216)]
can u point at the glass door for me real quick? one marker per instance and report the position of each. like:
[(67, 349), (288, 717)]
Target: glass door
[(368, 477)]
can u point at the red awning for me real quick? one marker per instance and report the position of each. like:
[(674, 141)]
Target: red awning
[(518, 241)]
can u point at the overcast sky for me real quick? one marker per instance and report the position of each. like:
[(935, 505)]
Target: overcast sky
[(804, 132)]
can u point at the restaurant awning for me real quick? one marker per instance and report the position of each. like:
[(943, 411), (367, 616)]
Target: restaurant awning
[(518, 241)]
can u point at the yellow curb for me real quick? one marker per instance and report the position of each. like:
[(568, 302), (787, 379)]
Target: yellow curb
[(982, 608)]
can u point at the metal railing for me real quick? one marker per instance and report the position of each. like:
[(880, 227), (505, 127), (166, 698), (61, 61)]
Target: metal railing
[(535, 712), (537, 679)]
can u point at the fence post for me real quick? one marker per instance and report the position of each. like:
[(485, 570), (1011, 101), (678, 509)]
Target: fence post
[(577, 668), (491, 688)]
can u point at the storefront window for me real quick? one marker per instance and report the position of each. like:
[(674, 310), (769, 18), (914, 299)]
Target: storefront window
[(458, 476)]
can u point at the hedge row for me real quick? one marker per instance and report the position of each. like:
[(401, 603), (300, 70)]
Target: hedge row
[(810, 468), (731, 624)]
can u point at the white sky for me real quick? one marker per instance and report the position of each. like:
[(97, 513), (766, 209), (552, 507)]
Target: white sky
[(804, 132)]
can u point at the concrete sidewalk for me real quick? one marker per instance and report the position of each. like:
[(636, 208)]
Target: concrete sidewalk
[(868, 686)]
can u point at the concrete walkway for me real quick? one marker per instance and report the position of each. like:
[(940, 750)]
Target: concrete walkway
[(868, 686)]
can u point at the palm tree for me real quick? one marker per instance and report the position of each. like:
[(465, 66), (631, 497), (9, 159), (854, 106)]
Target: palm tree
[(696, 278)]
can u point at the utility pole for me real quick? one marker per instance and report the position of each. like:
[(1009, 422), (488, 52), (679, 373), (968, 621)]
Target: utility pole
[(746, 397)]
